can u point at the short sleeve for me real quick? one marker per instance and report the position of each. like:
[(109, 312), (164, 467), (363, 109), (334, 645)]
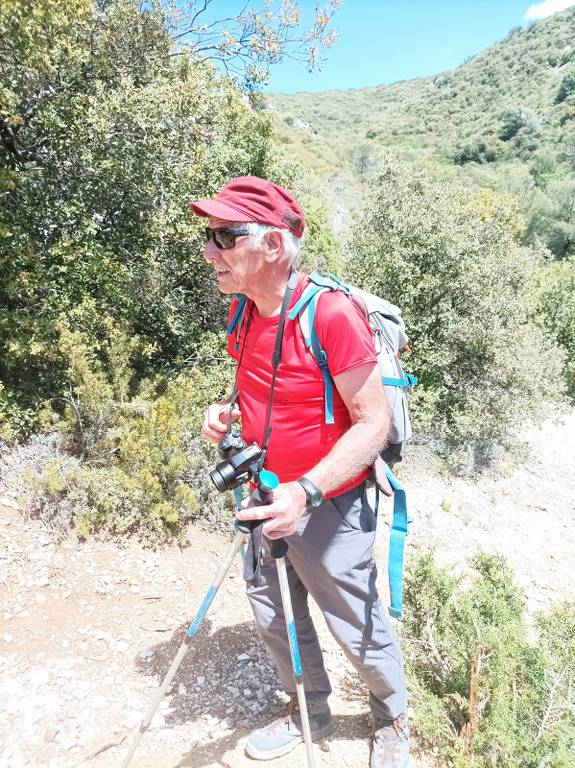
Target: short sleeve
[(344, 333)]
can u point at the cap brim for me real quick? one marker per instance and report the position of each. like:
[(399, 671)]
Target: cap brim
[(218, 210)]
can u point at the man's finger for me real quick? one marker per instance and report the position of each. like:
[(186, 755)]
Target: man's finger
[(254, 513), (270, 532)]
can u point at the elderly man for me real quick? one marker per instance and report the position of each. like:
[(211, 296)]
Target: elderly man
[(321, 506)]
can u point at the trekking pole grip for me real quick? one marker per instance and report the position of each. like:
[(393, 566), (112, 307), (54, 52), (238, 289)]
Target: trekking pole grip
[(278, 548), (263, 495)]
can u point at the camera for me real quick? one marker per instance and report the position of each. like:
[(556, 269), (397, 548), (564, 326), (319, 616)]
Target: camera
[(240, 462)]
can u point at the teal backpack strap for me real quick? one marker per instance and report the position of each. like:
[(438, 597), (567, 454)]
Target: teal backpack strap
[(237, 320), (409, 380), (242, 299), (306, 309), (396, 546)]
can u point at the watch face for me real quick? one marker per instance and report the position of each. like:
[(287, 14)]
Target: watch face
[(314, 496)]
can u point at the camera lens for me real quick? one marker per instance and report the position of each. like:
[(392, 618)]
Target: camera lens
[(224, 476)]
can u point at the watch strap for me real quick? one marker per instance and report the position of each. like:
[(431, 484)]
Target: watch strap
[(313, 495)]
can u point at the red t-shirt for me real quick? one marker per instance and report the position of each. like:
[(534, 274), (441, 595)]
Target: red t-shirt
[(299, 437)]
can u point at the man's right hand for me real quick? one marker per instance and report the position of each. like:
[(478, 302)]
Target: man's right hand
[(215, 423)]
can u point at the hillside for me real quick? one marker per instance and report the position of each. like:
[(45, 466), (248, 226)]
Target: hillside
[(506, 117)]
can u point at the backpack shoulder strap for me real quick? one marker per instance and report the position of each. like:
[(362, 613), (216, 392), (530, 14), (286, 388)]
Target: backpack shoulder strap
[(235, 321), (305, 310), (397, 536)]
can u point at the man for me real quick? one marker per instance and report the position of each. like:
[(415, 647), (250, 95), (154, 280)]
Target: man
[(321, 506)]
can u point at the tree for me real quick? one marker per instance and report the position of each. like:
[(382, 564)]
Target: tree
[(453, 262), (105, 137), (261, 35), (566, 86)]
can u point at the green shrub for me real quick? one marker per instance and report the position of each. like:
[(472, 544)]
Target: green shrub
[(477, 150), (108, 136), (138, 449), (566, 86), (486, 691), (555, 306), (454, 263)]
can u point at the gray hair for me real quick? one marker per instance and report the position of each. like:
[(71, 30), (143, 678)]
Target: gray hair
[(292, 244)]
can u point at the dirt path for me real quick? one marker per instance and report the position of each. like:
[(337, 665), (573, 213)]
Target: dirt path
[(87, 630)]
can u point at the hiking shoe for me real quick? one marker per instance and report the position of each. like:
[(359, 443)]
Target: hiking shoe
[(284, 734), (390, 746)]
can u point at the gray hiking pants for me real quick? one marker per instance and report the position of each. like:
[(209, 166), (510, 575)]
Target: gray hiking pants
[(330, 557)]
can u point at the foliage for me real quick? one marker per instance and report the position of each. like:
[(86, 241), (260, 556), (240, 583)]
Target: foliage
[(320, 250), (105, 137), (477, 150), (498, 109), (486, 693), (551, 216), (138, 450), (555, 306), (454, 263), (261, 35), (566, 86)]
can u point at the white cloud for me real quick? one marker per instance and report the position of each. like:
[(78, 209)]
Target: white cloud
[(547, 8)]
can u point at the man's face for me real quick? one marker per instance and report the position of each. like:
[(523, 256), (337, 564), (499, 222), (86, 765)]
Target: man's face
[(236, 268)]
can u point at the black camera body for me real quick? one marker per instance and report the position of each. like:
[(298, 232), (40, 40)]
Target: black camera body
[(240, 463)]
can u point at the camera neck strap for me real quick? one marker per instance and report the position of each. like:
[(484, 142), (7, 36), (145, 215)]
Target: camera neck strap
[(276, 357)]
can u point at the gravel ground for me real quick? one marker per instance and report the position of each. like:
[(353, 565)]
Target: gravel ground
[(87, 630)]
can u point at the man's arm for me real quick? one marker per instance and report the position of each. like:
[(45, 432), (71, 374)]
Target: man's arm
[(363, 394)]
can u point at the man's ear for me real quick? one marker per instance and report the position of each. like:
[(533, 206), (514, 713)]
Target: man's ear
[(275, 242)]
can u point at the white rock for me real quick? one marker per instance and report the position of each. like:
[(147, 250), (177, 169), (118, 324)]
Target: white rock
[(146, 655), (8, 616), (243, 657), (42, 581), (248, 693), (6, 501), (200, 680), (121, 646), (8, 638), (40, 677), (40, 599)]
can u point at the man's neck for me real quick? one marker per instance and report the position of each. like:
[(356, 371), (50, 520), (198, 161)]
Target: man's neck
[(269, 302)]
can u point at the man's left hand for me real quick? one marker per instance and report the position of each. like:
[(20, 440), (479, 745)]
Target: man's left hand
[(282, 515)]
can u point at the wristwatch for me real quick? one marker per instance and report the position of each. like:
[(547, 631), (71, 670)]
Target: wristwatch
[(313, 495)]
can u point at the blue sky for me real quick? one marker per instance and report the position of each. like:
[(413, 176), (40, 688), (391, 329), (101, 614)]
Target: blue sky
[(382, 41)]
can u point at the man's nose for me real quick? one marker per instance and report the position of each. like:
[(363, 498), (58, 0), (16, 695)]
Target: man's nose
[(210, 250)]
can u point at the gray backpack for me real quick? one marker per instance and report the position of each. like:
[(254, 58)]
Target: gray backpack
[(390, 338)]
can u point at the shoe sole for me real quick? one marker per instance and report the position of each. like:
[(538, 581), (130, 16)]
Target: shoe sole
[(271, 754)]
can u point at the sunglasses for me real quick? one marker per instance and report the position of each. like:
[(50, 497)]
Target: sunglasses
[(225, 237)]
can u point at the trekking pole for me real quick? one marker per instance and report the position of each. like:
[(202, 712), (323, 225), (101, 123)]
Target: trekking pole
[(267, 482), (192, 632)]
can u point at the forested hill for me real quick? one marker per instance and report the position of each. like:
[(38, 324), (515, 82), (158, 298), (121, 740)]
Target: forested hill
[(509, 109)]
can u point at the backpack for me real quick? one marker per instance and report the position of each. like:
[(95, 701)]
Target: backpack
[(390, 339)]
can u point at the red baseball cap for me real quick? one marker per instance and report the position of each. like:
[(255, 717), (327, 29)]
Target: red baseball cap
[(249, 198)]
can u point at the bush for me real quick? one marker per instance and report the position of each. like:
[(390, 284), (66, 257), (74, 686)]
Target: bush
[(566, 86), (138, 451), (486, 692), (107, 138), (454, 264), (555, 306), (477, 150)]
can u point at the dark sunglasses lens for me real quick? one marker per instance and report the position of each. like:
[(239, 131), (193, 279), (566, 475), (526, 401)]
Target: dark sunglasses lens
[(221, 237)]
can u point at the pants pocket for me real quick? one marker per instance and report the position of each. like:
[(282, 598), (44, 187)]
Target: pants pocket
[(355, 510)]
